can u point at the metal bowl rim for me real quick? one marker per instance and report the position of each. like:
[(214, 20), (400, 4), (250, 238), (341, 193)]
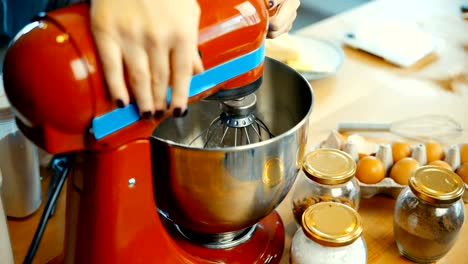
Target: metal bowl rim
[(258, 144)]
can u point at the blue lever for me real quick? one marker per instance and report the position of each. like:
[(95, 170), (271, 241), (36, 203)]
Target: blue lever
[(119, 118)]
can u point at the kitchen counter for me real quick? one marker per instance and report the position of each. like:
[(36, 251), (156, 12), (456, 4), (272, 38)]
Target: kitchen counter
[(365, 88), (369, 89)]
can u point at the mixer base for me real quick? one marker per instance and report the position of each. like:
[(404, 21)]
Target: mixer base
[(265, 246)]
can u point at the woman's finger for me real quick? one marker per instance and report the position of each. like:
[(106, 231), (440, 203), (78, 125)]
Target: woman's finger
[(273, 6), (197, 63), (287, 12), (137, 65), (282, 21), (112, 67), (181, 56), (159, 65), (283, 29)]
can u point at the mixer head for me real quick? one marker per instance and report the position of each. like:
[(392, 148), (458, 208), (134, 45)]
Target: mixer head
[(58, 55)]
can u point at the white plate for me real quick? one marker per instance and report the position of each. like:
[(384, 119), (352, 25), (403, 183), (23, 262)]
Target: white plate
[(325, 57), (400, 43)]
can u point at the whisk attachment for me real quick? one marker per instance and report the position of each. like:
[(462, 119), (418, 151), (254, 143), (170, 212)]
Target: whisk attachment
[(237, 125)]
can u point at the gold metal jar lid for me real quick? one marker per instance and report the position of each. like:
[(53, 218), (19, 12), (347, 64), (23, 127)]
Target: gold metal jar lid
[(332, 224), (435, 184), (329, 166)]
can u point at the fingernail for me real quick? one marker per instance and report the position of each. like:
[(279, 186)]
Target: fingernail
[(158, 114), (119, 103), (146, 115), (271, 4), (177, 112)]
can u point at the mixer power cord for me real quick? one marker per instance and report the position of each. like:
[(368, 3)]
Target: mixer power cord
[(60, 165)]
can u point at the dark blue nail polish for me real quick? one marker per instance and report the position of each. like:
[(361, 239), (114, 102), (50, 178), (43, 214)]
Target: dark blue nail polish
[(177, 112), (119, 103), (159, 114), (146, 115)]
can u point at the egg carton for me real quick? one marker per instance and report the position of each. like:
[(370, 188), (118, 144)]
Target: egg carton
[(356, 144), (385, 187), (390, 188)]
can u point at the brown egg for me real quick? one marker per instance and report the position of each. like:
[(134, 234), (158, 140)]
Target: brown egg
[(462, 171), (370, 170), (440, 163), (402, 170), (434, 151), (400, 150), (463, 153)]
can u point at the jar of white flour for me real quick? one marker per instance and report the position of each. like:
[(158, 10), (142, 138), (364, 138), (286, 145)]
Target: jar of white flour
[(331, 233), (6, 252), (19, 163)]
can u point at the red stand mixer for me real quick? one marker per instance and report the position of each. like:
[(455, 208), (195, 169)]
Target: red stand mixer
[(161, 191)]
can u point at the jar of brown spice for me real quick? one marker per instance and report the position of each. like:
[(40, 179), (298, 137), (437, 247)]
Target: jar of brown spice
[(327, 176), (429, 214)]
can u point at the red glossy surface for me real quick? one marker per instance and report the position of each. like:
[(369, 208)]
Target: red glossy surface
[(64, 88), (118, 223), (53, 79), (265, 246)]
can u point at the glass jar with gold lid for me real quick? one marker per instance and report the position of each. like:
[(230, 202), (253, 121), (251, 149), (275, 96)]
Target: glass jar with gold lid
[(327, 175), (429, 214), (331, 233)]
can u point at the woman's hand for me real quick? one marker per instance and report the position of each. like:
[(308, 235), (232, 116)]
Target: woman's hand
[(155, 43), (282, 21)]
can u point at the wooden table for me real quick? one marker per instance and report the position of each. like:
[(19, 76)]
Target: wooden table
[(368, 89), (22, 230), (365, 89)]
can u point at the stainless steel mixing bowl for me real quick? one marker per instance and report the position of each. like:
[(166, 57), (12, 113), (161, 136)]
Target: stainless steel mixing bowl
[(219, 190)]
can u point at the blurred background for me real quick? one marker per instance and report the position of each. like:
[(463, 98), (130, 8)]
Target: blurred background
[(312, 11)]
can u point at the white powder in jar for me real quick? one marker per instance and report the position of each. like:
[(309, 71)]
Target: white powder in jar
[(21, 192), (307, 251)]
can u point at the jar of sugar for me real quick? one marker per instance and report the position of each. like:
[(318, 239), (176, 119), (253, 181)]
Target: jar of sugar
[(331, 233), (19, 163), (6, 252)]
